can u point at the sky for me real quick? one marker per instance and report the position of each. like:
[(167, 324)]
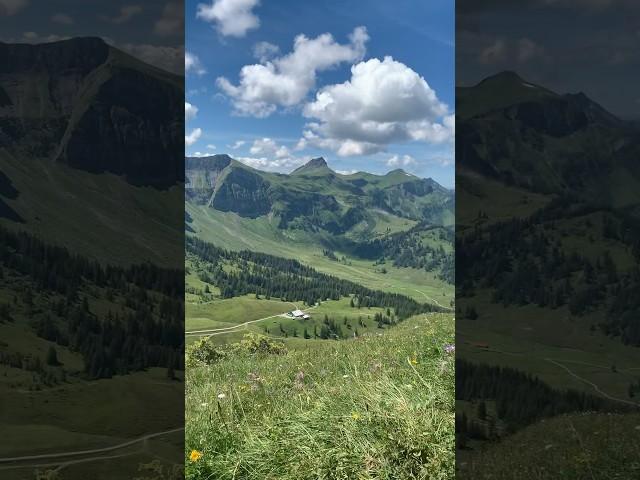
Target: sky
[(366, 84), (152, 30), (569, 46)]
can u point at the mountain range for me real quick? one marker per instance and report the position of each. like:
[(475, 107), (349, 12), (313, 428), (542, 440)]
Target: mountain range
[(91, 149), (315, 198), (525, 135)]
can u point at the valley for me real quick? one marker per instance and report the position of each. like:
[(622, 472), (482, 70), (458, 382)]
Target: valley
[(368, 261), (547, 256), (91, 274)]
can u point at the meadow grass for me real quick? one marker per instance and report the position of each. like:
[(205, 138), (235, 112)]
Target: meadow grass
[(377, 407), (572, 447)]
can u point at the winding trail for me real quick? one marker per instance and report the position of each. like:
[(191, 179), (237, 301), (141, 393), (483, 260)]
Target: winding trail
[(220, 331), (78, 453), (593, 385), (572, 373)]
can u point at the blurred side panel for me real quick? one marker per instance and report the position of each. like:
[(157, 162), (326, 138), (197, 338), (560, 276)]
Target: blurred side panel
[(547, 240), (91, 240)]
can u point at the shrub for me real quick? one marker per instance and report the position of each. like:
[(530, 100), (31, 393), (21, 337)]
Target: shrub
[(203, 352)]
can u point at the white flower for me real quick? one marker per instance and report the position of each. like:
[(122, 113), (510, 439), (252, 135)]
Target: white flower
[(221, 396)]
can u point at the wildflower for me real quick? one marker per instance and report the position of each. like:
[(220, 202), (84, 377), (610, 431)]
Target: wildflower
[(204, 404), (355, 415), (195, 455), (345, 376), (413, 361), (450, 348), (222, 396)]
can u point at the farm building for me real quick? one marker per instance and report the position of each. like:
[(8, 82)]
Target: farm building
[(300, 314)]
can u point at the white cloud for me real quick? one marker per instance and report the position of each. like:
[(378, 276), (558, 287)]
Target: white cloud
[(62, 18), (192, 64), (33, 37), (166, 58), (237, 144), (274, 165), (285, 81), (190, 111), (383, 102), (193, 137), (264, 51), (172, 20), (500, 51), (268, 147), (232, 18), (401, 161), (200, 154), (127, 12), (347, 172), (211, 147), (11, 7)]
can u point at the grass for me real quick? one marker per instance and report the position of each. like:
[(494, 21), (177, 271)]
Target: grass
[(231, 311), (526, 337), (228, 230), (377, 407), (571, 447)]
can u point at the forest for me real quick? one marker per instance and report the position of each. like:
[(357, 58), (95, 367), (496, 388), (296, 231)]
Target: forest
[(246, 272), (143, 325)]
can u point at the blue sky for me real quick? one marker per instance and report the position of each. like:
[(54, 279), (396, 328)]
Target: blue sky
[(375, 95)]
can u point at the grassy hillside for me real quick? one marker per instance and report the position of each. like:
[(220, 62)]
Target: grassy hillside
[(229, 230), (387, 397), (571, 447)]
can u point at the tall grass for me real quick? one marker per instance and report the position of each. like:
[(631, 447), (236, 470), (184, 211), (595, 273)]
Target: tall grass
[(377, 407)]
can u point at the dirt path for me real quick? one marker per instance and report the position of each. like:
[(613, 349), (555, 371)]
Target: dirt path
[(593, 385), (78, 453), (219, 331)]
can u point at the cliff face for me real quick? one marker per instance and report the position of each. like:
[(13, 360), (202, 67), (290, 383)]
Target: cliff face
[(92, 107)]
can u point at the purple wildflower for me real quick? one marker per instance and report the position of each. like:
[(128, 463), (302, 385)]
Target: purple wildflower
[(450, 348)]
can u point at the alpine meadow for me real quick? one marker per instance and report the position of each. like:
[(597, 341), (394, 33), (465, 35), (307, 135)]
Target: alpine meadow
[(319, 249)]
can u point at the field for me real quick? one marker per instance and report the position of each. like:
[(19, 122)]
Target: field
[(387, 396), (83, 212), (571, 447), (230, 231)]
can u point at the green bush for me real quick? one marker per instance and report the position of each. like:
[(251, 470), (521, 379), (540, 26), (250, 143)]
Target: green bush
[(203, 352)]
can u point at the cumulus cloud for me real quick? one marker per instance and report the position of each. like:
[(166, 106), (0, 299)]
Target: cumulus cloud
[(200, 154), (268, 147), (62, 19), (264, 51), (11, 7), (172, 20), (501, 51), (193, 137), (192, 64), (285, 81), (190, 111), (166, 58), (233, 18), (400, 161), (383, 102), (126, 13), (274, 165), (237, 144), (33, 37), (347, 172)]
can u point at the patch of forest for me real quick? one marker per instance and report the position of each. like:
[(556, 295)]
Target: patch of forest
[(289, 280), (523, 261), (520, 398), (412, 249), (141, 326)]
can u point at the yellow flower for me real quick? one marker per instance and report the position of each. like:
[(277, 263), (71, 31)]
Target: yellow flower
[(195, 455), (413, 361), (355, 415)]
